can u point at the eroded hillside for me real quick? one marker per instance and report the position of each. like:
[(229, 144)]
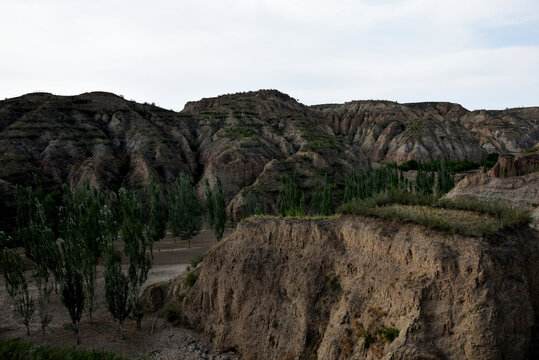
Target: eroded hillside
[(247, 139), (362, 288)]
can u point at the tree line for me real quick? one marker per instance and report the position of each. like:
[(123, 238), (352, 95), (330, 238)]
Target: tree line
[(67, 234), (297, 199)]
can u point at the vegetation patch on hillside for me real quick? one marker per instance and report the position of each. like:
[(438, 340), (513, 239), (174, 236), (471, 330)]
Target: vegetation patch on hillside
[(462, 216), (453, 166)]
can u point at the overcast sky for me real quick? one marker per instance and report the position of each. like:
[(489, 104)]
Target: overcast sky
[(479, 53)]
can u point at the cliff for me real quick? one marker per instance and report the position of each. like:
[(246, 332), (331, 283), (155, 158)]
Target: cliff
[(363, 288)]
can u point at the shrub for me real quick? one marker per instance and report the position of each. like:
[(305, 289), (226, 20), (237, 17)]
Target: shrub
[(197, 259), (388, 334), (191, 278)]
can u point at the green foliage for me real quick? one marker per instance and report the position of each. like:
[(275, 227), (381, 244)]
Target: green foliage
[(464, 216), (532, 149), (291, 198), (240, 132), (20, 350), (363, 184), (191, 278), (185, 210), (197, 259), (453, 166), (220, 212), (83, 235), (444, 179), (13, 270), (73, 295), (137, 248), (388, 334), (25, 306), (322, 198), (367, 338), (116, 289), (210, 204), (157, 219), (17, 285), (252, 206)]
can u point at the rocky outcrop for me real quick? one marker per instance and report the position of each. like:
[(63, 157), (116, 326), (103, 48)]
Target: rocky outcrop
[(516, 165), (389, 131), (514, 180), (504, 131), (330, 289)]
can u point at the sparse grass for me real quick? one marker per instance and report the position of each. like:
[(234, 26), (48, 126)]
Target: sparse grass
[(23, 350), (467, 217), (294, 217), (195, 260), (532, 149)]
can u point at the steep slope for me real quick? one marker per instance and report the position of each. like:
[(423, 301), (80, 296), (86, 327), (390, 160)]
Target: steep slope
[(247, 139), (96, 136), (504, 131), (314, 289), (389, 131)]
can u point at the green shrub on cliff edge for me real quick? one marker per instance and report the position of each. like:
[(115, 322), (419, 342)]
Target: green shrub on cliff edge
[(467, 217)]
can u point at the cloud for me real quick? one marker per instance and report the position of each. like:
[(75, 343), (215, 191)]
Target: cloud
[(481, 53)]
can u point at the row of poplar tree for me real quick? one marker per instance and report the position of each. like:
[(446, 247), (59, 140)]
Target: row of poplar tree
[(359, 185), (67, 234)]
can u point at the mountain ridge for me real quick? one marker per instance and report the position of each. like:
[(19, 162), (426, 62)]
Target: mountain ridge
[(247, 139)]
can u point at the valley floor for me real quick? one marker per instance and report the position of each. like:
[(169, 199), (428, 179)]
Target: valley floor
[(166, 343)]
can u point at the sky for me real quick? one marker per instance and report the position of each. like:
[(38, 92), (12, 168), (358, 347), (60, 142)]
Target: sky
[(482, 54)]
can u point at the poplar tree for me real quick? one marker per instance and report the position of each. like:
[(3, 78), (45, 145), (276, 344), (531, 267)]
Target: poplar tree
[(16, 283), (157, 220), (220, 212), (72, 295), (291, 199), (117, 289), (185, 209), (210, 203), (137, 248)]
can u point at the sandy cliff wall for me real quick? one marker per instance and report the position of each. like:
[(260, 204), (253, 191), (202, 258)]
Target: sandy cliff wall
[(288, 289)]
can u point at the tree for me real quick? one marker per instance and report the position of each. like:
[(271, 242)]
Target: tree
[(24, 305), (185, 209), (157, 220), (322, 198), (137, 248), (252, 206), (210, 204), (15, 282), (72, 295), (116, 289), (81, 214), (291, 198), (220, 212)]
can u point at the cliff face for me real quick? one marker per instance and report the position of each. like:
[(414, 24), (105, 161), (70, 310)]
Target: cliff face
[(504, 131), (389, 131), (288, 289)]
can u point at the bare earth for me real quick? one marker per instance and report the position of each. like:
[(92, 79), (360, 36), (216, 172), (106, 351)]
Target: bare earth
[(167, 342)]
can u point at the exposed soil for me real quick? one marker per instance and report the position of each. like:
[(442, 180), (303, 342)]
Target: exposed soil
[(167, 342)]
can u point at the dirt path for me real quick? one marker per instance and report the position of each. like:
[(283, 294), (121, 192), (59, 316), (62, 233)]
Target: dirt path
[(166, 343)]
